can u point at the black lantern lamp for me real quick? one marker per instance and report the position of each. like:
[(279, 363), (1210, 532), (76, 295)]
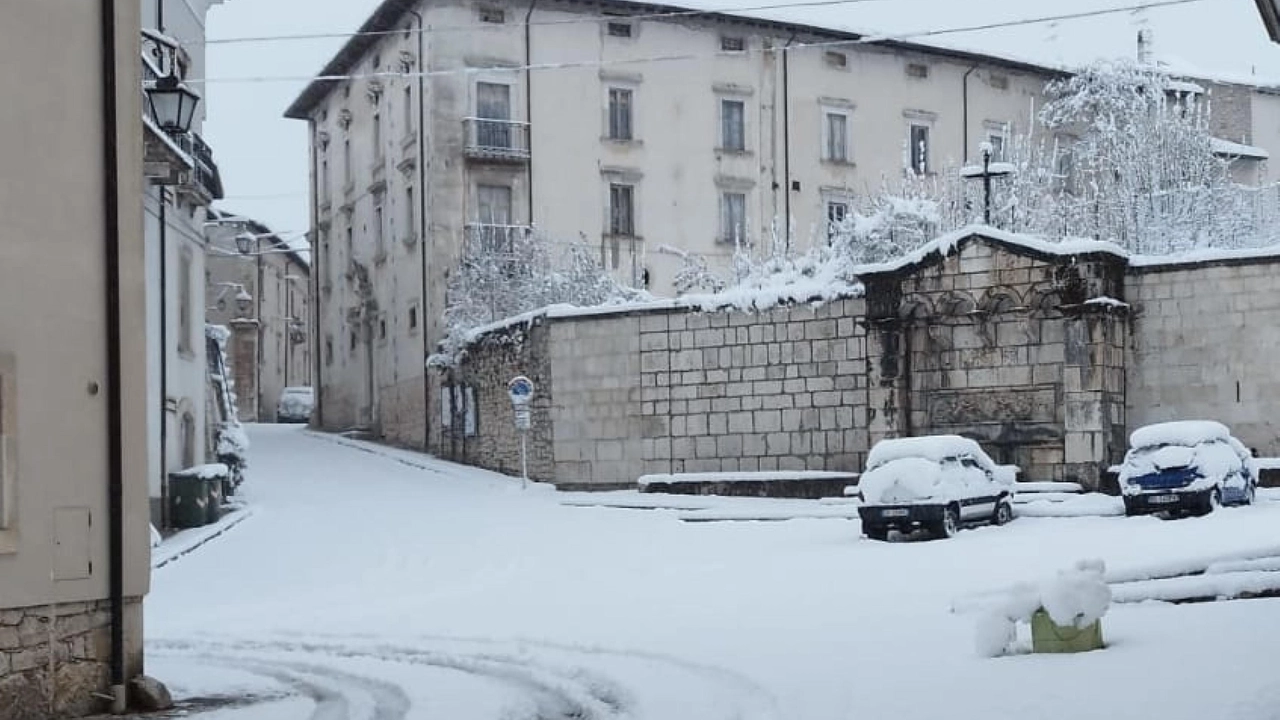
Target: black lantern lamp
[(173, 104)]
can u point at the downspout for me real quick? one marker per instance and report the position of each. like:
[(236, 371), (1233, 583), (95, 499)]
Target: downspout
[(528, 106), (262, 334), (424, 326), (786, 147), (316, 268), (964, 112), (164, 361), (115, 409), (907, 327)]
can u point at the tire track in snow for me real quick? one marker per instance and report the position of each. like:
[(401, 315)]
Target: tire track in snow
[(557, 690)]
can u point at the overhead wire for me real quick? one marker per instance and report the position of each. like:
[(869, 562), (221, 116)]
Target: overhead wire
[(844, 42)]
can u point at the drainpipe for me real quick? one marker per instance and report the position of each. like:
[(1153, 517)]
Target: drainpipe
[(164, 361), (964, 112), (528, 106), (115, 409), (786, 140), (423, 323), (317, 266)]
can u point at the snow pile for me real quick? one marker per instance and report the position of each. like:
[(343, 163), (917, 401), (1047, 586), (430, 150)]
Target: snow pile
[(1179, 432), (931, 447), (1078, 596), (156, 538), (233, 444)]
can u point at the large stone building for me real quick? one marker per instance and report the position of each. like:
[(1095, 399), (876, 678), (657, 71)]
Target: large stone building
[(629, 130), (1048, 354), (74, 401), (183, 180), (262, 294)]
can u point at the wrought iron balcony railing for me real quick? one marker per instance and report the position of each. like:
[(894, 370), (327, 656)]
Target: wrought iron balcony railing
[(496, 140)]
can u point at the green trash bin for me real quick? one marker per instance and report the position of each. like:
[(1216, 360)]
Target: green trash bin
[(188, 500), (1048, 636)]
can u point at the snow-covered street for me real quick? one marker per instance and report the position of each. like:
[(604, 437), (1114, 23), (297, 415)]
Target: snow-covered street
[(372, 583)]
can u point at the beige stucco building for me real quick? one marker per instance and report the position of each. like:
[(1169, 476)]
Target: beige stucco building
[(608, 124), (264, 298), (73, 377)]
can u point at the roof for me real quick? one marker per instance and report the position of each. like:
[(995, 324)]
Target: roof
[(1031, 245), (298, 255), (389, 15)]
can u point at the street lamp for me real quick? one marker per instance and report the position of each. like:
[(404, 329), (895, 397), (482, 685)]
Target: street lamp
[(173, 104), (245, 243)]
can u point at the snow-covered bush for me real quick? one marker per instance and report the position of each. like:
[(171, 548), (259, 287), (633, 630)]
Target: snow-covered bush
[(507, 271)]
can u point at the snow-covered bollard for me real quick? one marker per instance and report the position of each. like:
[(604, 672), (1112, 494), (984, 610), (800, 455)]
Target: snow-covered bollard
[(1071, 610), (1064, 613)]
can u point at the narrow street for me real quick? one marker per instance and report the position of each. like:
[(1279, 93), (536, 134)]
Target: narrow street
[(371, 583)]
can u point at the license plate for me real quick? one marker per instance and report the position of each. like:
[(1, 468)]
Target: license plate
[(896, 512), (1162, 499)]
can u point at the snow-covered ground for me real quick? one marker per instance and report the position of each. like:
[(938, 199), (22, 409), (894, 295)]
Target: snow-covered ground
[(377, 584)]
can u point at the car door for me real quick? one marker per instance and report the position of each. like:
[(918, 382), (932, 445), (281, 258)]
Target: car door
[(979, 501)]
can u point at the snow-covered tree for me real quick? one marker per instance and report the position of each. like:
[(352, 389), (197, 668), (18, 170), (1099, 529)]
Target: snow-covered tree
[(507, 271)]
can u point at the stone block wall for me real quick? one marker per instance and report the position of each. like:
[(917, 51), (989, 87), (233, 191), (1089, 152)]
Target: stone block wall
[(489, 365), (53, 658), (596, 407), (784, 389), (1204, 336)]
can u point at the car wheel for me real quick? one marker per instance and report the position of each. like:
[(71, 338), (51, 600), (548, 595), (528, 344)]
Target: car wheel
[(949, 525), (1004, 512), (1212, 501), (877, 533), (1250, 494)]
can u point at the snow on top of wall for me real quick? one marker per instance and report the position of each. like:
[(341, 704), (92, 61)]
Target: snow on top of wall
[(1235, 149), (745, 476), (947, 244), (1178, 432), (1205, 255), (1108, 301)]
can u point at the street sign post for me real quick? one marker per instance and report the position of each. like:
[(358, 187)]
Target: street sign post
[(520, 388)]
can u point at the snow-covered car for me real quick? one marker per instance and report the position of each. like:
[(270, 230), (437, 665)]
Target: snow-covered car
[(295, 405), (938, 483), (1186, 467)]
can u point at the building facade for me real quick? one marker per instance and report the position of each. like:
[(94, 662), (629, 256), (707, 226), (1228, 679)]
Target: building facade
[(178, 194), (263, 297), (644, 136), (74, 395)]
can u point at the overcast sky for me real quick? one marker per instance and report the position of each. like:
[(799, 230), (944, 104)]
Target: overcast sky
[(263, 157)]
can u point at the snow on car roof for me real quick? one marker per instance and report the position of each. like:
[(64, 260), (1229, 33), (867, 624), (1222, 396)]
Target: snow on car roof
[(930, 447), (1179, 432)]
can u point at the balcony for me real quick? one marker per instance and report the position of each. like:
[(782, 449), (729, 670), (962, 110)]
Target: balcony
[(497, 141), (205, 181), (495, 240)]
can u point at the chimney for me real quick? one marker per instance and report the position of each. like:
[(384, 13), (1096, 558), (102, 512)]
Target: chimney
[(1145, 47)]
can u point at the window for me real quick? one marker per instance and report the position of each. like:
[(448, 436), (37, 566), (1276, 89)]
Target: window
[(837, 212), (352, 347), (493, 109), (917, 70), (836, 140), (184, 303), (997, 146), (408, 110), (835, 59), (379, 250), (491, 15), (919, 150), (328, 350), (493, 204), (350, 240), (619, 114), (733, 43), (346, 161), (619, 29), (377, 137), (324, 180), (621, 210), (999, 82), (733, 217), (326, 256), (382, 327), (377, 61), (733, 134), (410, 228), (413, 317)]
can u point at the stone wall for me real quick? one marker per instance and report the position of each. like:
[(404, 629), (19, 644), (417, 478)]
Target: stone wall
[(1203, 340), (999, 344), (596, 409), (482, 378), (784, 389), (401, 416), (53, 658)]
